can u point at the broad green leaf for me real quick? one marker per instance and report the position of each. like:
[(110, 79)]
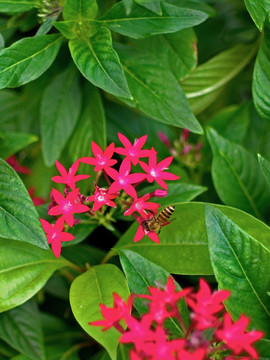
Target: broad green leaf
[(141, 274), (2, 42), (18, 217), (83, 254), (27, 59), (99, 63), (73, 29), (241, 264), (18, 6), (81, 232), (265, 166), (89, 290), (6, 351), (24, 270), (232, 122), (257, 12), (141, 22), (176, 193), (21, 329), (60, 110), (183, 247), (176, 51), (80, 10), (204, 84), (150, 5), (237, 176), (155, 90), (261, 78), (13, 142), (47, 25), (10, 106), (91, 127)]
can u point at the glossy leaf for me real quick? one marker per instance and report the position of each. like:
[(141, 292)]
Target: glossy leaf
[(183, 247), (150, 5), (261, 78), (27, 59), (142, 274), (18, 217), (83, 254), (24, 270), (240, 263), (81, 232), (21, 329), (10, 107), (141, 22), (60, 109), (155, 90), (257, 12), (12, 142), (265, 166), (80, 10), (89, 290), (18, 6), (237, 176), (99, 63), (204, 84)]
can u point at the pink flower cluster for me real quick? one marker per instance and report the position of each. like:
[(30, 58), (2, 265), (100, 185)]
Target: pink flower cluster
[(211, 330), (123, 179)]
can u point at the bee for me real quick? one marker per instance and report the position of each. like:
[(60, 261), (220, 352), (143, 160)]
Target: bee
[(155, 223)]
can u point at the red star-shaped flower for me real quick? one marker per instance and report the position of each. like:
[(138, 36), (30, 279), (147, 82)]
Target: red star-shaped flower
[(123, 179), (205, 305), (67, 206), (69, 177), (132, 152), (155, 172), (101, 197), (14, 163), (198, 354), (141, 232), (101, 160), (55, 234), (140, 204), (235, 336), (36, 200)]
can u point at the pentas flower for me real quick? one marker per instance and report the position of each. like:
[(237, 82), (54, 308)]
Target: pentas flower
[(101, 197), (14, 163), (198, 354), (101, 160), (206, 305), (69, 178), (36, 200), (140, 205), (67, 206), (235, 336), (132, 152), (155, 171), (142, 231), (123, 179), (55, 234)]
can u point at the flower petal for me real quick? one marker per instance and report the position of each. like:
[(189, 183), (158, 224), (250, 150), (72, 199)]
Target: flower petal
[(61, 168), (124, 140), (56, 248)]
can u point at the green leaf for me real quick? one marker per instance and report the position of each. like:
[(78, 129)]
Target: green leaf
[(99, 63), (27, 59), (60, 109), (155, 90), (10, 106), (81, 232), (176, 193), (24, 270), (83, 254), (261, 78), (204, 84), (240, 263), (150, 5), (73, 29), (257, 12), (92, 288), (47, 25), (265, 166), (13, 142), (237, 176), (21, 329), (18, 6), (80, 10), (141, 22), (141, 274), (183, 247), (18, 217)]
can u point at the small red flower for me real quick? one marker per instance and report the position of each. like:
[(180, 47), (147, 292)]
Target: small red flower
[(14, 163), (55, 234), (101, 160), (67, 206), (198, 354), (205, 305), (101, 197), (36, 200), (155, 172), (123, 179), (141, 232), (69, 177), (132, 152), (140, 204), (235, 336)]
